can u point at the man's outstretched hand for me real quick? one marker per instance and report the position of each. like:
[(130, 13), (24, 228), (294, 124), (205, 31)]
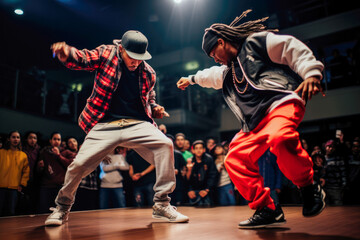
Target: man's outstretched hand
[(61, 50), (311, 86), (183, 83)]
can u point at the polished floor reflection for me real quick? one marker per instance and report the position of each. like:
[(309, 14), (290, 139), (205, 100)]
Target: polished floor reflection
[(218, 223)]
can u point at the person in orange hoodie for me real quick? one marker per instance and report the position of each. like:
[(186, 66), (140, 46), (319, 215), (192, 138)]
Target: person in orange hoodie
[(14, 173)]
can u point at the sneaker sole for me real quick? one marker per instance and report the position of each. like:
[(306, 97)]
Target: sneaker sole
[(263, 226), (169, 220), (53, 223), (324, 204)]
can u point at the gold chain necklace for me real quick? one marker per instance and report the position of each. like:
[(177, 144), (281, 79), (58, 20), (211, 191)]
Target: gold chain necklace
[(235, 79)]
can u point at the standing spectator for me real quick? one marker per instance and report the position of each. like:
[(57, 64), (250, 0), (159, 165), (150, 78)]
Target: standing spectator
[(32, 150), (14, 173), (88, 189), (71, 148), (271, 174), (180, 144), (353, 193), (143, 176), (210, 144), (335, 174), (225, 145), (52, 167), (187, 145), (319, 169), (225, 188), (201, 175), (163, 128), (177, 196), (305, 145), (111, 187)]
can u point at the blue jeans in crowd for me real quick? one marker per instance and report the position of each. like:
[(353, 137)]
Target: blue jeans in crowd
[(200, 201), (114, 195), (226, 195), (144, 195), (8, 200)]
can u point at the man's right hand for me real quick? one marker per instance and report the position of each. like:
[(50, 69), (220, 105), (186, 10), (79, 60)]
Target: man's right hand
[(61, 50), (183, 83)]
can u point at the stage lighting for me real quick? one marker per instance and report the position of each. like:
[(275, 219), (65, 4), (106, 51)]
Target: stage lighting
[(19, 11), (192, 65)]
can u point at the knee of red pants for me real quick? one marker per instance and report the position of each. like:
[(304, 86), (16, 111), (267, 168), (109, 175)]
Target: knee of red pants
[(294, 162)]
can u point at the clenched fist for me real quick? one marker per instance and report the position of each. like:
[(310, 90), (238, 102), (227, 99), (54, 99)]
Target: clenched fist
[(183, 83)]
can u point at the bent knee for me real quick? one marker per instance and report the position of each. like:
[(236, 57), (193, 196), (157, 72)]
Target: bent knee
[(167, 143)]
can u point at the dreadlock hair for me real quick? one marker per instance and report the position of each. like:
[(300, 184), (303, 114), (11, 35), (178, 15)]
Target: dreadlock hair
[(236, 34)]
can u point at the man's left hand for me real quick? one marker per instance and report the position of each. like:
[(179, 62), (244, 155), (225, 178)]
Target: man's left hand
[(310, 87), (159, 112)]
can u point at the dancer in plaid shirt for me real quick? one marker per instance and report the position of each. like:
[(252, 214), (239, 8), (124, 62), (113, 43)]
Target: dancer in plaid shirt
[(119, 111)]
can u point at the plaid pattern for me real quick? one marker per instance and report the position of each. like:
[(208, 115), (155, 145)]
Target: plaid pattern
[(90, 181), (105, 60)]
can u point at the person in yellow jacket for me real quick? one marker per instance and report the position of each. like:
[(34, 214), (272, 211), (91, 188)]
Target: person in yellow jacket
[(14, 173)]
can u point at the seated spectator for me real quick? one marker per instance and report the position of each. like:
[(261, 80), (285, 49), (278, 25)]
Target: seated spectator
[(143, 176), (335, 174), (52, 166), (111, 187), (180, 145), (201, 175), (14, 173), (271, 174), (225, 188)]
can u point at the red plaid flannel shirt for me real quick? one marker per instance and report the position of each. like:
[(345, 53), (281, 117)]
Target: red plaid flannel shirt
[(105, 60)]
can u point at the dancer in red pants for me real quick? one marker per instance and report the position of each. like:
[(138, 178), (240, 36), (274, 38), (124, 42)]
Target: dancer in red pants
[(266, 80)]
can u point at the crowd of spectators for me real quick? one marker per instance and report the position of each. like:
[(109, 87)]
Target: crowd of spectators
[(31, 176)]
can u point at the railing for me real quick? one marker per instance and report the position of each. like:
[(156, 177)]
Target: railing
[(34, 93)]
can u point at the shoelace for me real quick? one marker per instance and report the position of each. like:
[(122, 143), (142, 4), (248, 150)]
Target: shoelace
[(56, 212), (171, 210)]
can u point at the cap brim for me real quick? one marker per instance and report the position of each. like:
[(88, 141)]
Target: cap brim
[(139, 56)]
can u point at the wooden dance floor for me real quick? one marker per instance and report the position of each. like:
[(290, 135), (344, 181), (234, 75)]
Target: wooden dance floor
[(218, 223)]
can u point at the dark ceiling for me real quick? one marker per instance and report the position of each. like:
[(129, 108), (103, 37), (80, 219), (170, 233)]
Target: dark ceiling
[(26, 39)]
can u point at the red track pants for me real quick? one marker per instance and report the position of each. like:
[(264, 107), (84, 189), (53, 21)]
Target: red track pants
[(277, 131)]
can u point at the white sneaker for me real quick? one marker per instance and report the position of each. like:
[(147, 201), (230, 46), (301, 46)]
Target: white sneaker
[(58, 217), (168, 213)]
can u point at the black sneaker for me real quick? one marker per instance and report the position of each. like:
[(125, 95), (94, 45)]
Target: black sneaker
[(265, 217), (314, 200)]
